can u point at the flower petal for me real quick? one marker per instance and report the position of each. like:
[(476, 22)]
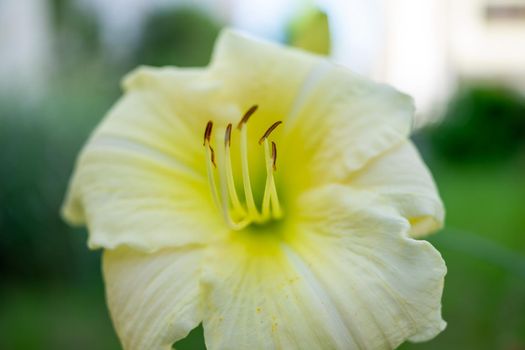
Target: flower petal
[(343, 122), (153, 298), (345, 277), (141, 180), (257, 72), (254, 71), (359, 250), (256, 298), (403, 179), (333, 120)]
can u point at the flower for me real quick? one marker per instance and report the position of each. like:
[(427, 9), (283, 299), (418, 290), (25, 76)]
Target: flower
[(272, 196)]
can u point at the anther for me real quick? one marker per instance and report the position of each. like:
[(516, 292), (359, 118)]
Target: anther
[(212, 156), (270, 192), (210, 163), (269, 131), (274, 156), (228, 135), (247, 116), (238, 215), (207, 132)]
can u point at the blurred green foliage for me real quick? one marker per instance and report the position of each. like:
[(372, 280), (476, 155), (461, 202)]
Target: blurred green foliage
[(311, 31), (39, 144), (483, 123), (51, 292), (77, 33), (43, 317), (483, 246), (181, 37)]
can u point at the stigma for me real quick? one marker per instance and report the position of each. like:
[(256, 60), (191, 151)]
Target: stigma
[(238, 213)]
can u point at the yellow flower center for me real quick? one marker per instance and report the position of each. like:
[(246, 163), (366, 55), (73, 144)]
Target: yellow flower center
[(236, 213)]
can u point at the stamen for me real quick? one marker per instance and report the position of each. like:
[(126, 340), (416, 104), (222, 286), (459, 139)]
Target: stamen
[(212, 156), (237, 206), (207, 132), (228, 135), (277, 213), (267, 190), (248, 194), (236, 214), (247, 116), (210, 163), (270, 192), (269, 131), (223, 175), (207, 135), (274, 156)]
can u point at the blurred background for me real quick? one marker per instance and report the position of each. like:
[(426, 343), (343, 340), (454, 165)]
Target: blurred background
[(464, 62)]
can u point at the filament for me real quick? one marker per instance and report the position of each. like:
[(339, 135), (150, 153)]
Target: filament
[(248, 194), (237, 215), (270, 192), (237, 206), (210, 163), (225, 205)]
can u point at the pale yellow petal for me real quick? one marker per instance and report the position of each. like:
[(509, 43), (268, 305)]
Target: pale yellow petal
[(344, 276), (334, 121), (153, 298), (403, 179), (257, 298), (359, 251), (258, 72), (141, 180), (342, 122)]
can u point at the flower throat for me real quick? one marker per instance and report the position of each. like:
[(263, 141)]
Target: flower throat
[(236, 214)]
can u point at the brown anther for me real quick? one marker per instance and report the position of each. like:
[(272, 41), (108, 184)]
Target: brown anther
[(247, 116), (274, 156), (269, 131), (228, 135), (207, 132), (213, 157)]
